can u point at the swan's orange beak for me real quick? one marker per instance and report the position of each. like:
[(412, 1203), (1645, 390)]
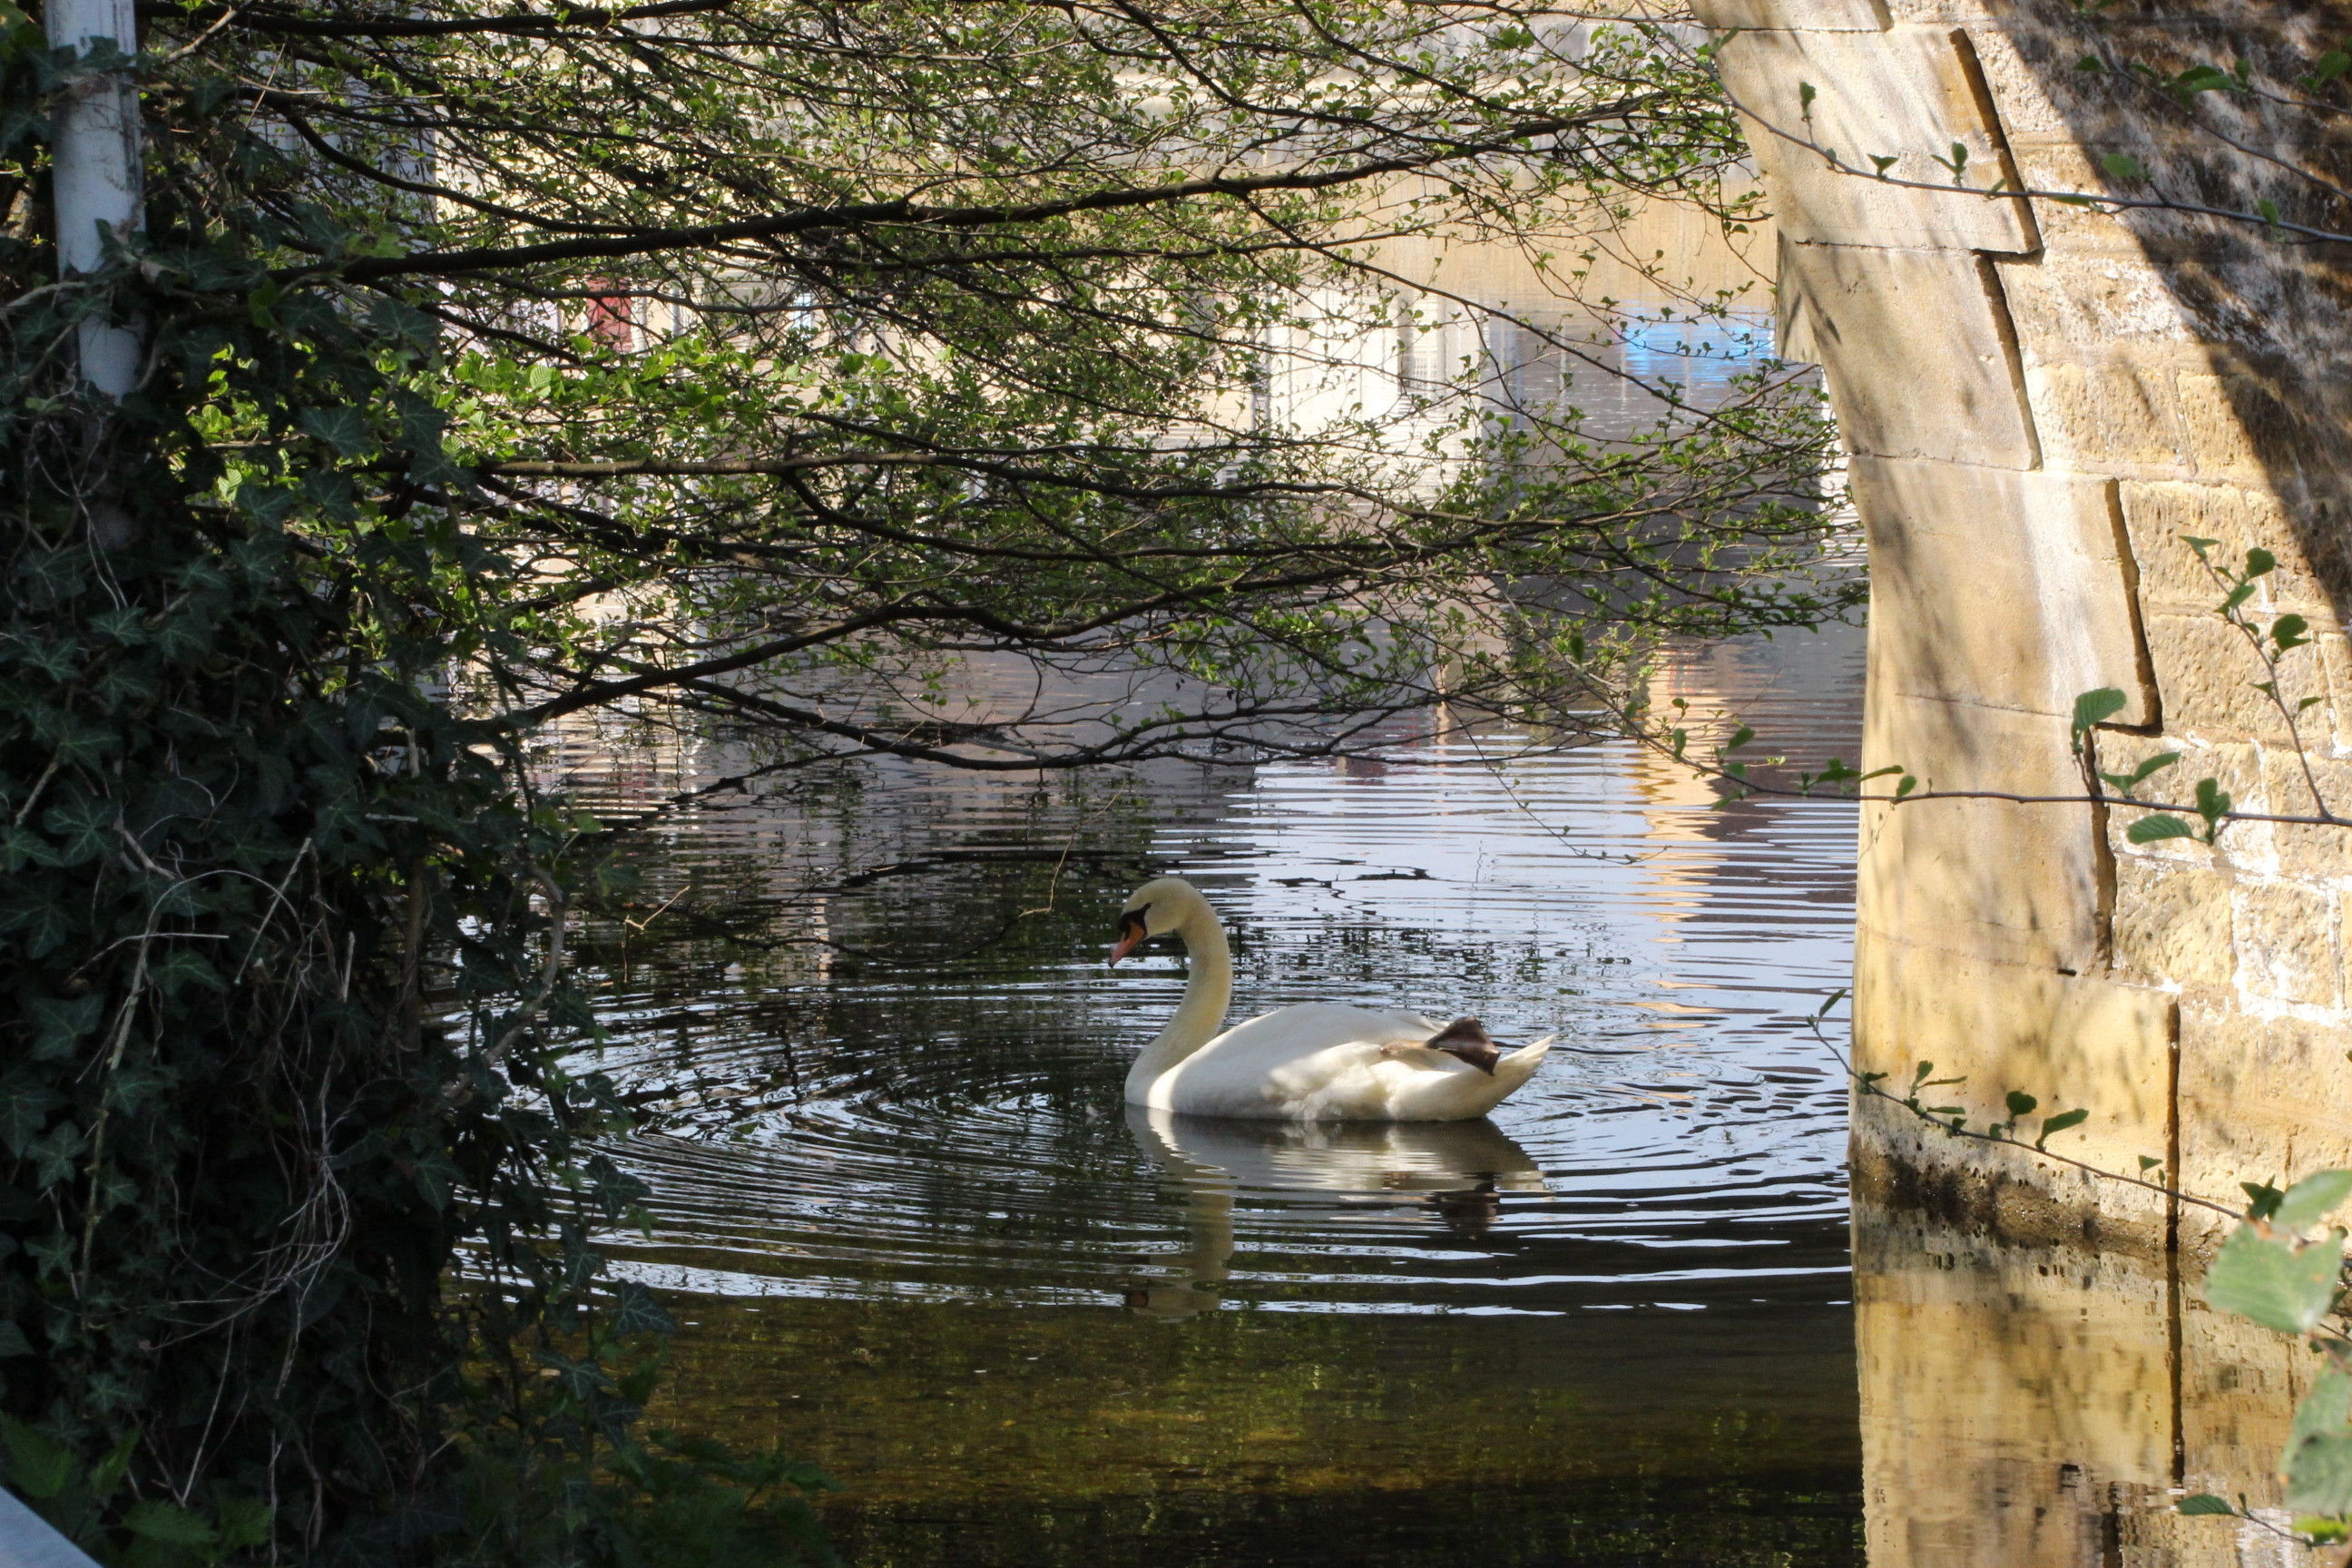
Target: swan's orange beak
[(1131, 935)]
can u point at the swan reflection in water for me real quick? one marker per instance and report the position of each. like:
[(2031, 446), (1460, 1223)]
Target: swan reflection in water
[(1454, 1171)]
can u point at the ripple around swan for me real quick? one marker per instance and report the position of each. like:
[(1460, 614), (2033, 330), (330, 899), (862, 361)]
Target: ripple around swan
[(918, 1108)]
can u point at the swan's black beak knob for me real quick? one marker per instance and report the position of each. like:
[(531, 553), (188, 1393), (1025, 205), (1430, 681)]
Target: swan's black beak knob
[(1131, 933)]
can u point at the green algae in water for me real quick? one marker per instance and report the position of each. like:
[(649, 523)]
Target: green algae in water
[(1100, 1437)]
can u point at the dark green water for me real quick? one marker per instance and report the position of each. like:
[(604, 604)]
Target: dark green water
[(912, 1230)]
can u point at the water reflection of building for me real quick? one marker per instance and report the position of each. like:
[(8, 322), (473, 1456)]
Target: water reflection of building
[(2031, 1401)]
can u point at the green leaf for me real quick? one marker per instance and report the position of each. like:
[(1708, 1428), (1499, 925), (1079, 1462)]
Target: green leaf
[(2277, 1286), (2097, 706), (108, 1473), (2149, 829), (83, 826), (2319, 1475), (340, 428), (2206, 1502), (2288, 631), (2311, 1200), (636, 1312), (24, 1106), (2128, 782), (58, 1026), (153, 1519), (38, 1465), (55, 1152), (13, 1342), (2269, 209), (2060, 1122), (2262, 1199), (2325, 1411), (2021, 1104), (2123, 166), (2213, 804), (244, 1521), (2260, 563)]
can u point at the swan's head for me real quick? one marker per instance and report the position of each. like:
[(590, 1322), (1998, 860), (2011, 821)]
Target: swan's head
[(1158, 908)]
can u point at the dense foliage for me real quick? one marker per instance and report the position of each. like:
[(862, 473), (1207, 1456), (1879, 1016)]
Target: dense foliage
[(768, 360)]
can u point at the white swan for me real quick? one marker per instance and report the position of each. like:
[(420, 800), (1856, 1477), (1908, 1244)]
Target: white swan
[(1315, 1062)]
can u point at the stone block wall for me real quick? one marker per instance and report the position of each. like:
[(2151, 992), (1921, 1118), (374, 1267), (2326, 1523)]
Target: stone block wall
[(2042, 401)]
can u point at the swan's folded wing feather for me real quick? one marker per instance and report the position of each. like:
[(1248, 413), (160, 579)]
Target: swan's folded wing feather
[(1323, 1061)]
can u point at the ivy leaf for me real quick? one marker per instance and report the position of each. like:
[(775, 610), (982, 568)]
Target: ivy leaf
[(44, 921), (2279, 1287), (57, 1025), (636, 1312), (83, 826), (181, 966), (340, 428), (25, 1107), (54, 1153), (579, 1379), (21, 846)]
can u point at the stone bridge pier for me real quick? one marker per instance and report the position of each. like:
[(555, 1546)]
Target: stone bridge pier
[(2042, 401)]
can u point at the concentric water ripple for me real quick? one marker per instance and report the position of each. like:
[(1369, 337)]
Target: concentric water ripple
[(882, 1059)]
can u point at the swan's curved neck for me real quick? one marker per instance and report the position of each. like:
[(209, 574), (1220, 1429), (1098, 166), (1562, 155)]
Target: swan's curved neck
[(1208, 990)]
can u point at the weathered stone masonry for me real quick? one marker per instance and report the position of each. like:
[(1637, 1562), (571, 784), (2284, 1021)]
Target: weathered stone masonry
[(2040, 400)]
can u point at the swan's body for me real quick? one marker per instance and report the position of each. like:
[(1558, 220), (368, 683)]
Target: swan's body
[(1319, 1061)]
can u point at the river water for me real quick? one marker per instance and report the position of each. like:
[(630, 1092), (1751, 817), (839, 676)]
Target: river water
[(911, 1230)]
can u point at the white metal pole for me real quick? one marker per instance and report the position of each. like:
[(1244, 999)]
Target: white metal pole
[(96, 173)]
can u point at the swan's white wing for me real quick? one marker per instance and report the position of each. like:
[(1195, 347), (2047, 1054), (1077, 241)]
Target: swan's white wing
[(1323, 1061)]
